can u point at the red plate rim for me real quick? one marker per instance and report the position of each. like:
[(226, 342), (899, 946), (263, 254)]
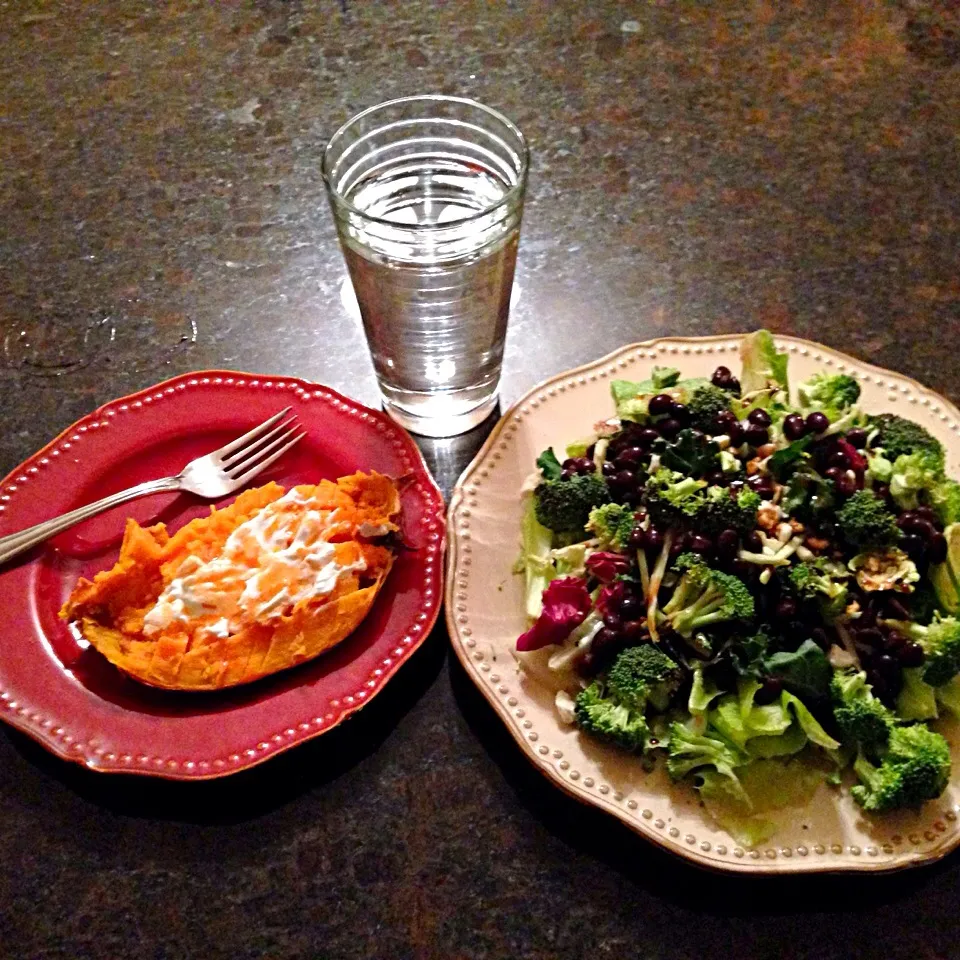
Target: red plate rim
[(55, 736)]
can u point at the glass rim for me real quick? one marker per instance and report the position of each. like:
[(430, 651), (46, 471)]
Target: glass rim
[(515, 191)]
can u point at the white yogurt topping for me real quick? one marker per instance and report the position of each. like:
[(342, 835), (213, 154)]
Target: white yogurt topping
[(267, 566)]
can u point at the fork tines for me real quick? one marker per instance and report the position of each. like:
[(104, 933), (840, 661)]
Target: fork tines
[(257, 449)]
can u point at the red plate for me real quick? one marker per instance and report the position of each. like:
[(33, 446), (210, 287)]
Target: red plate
[(60, 692)]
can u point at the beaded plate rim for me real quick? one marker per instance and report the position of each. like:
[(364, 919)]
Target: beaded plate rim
[(55, 735), (925, 846)]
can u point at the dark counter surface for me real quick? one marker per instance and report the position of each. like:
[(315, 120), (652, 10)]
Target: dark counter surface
[(697, 168)]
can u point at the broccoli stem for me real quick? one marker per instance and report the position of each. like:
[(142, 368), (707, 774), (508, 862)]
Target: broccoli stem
[(656, 578)]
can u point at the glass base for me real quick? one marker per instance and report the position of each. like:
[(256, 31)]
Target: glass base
[(441, 426)]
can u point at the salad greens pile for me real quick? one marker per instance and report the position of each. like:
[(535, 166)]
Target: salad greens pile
[(761, 586)]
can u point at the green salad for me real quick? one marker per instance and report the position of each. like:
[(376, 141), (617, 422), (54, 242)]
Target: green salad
[(759, 585)]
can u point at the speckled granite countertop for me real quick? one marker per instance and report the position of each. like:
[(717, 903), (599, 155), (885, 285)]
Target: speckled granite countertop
[(698, 168)]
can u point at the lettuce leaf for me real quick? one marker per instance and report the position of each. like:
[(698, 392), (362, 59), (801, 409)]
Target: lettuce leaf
[(763, 787), (762, 365)]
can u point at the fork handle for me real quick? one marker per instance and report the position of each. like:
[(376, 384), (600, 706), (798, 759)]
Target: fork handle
[(16, 543)]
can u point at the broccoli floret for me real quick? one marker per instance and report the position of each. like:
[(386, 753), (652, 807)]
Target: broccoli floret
[(723, 510), (913, 474), (821, 581), (861, 717), (644, 675), (599, 714), (865, 521), (705, 596), (686, 751), (612, 524), (944, 497), (671, 497), (564, 505), (898, 436), (824, 391), (705, 403), (940, 640), (914, 767)]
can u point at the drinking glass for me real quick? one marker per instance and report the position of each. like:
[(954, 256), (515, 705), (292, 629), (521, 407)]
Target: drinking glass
[(427, 195)]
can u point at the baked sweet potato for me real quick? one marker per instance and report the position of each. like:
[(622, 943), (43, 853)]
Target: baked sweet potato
[(268, 582)]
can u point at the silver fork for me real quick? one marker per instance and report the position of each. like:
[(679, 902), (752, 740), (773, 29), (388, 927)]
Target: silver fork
[(215, 475)]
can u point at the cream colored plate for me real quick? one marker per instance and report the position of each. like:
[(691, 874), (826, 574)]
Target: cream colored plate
[(485, 616)]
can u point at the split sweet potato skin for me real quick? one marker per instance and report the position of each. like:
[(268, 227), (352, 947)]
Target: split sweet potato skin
[(111, 608)]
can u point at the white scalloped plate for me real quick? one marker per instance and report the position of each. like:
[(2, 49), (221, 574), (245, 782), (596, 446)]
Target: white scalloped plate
[(485, 616)]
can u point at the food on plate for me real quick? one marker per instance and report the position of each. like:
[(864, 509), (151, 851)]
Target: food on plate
[(268, 582), (759, 586)]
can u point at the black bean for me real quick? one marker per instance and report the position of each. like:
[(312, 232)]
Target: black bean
[(769, 691), (716, 478), (630, 457), (654, 539), (566, 474), (723, 421), (588, 665), (699, 544), (857, 438), (638, 538), (727, 543), (721, 376), (839, 458), (605, 643), (888, 667), (786, 608), (733, 386), (735, 433), (894, 640), (609, 468), (913, 546), (910, 654), (754, 541), (612, 621), (634, 633), (794, 427), (761, 484), (909, 522), (646, 437), (659, 405), (679, 412), (870, 636), (937, 548), (756, 436), (759, 418), (817, 422), (669, 428), (624, 479), (630, 607), (586, 464), (846, 485), (925, 513)]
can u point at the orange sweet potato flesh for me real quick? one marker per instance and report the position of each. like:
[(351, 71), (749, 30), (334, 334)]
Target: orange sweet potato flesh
[(185, 654)]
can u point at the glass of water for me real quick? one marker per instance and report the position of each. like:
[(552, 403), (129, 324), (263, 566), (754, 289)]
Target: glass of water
[(427, 195)]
